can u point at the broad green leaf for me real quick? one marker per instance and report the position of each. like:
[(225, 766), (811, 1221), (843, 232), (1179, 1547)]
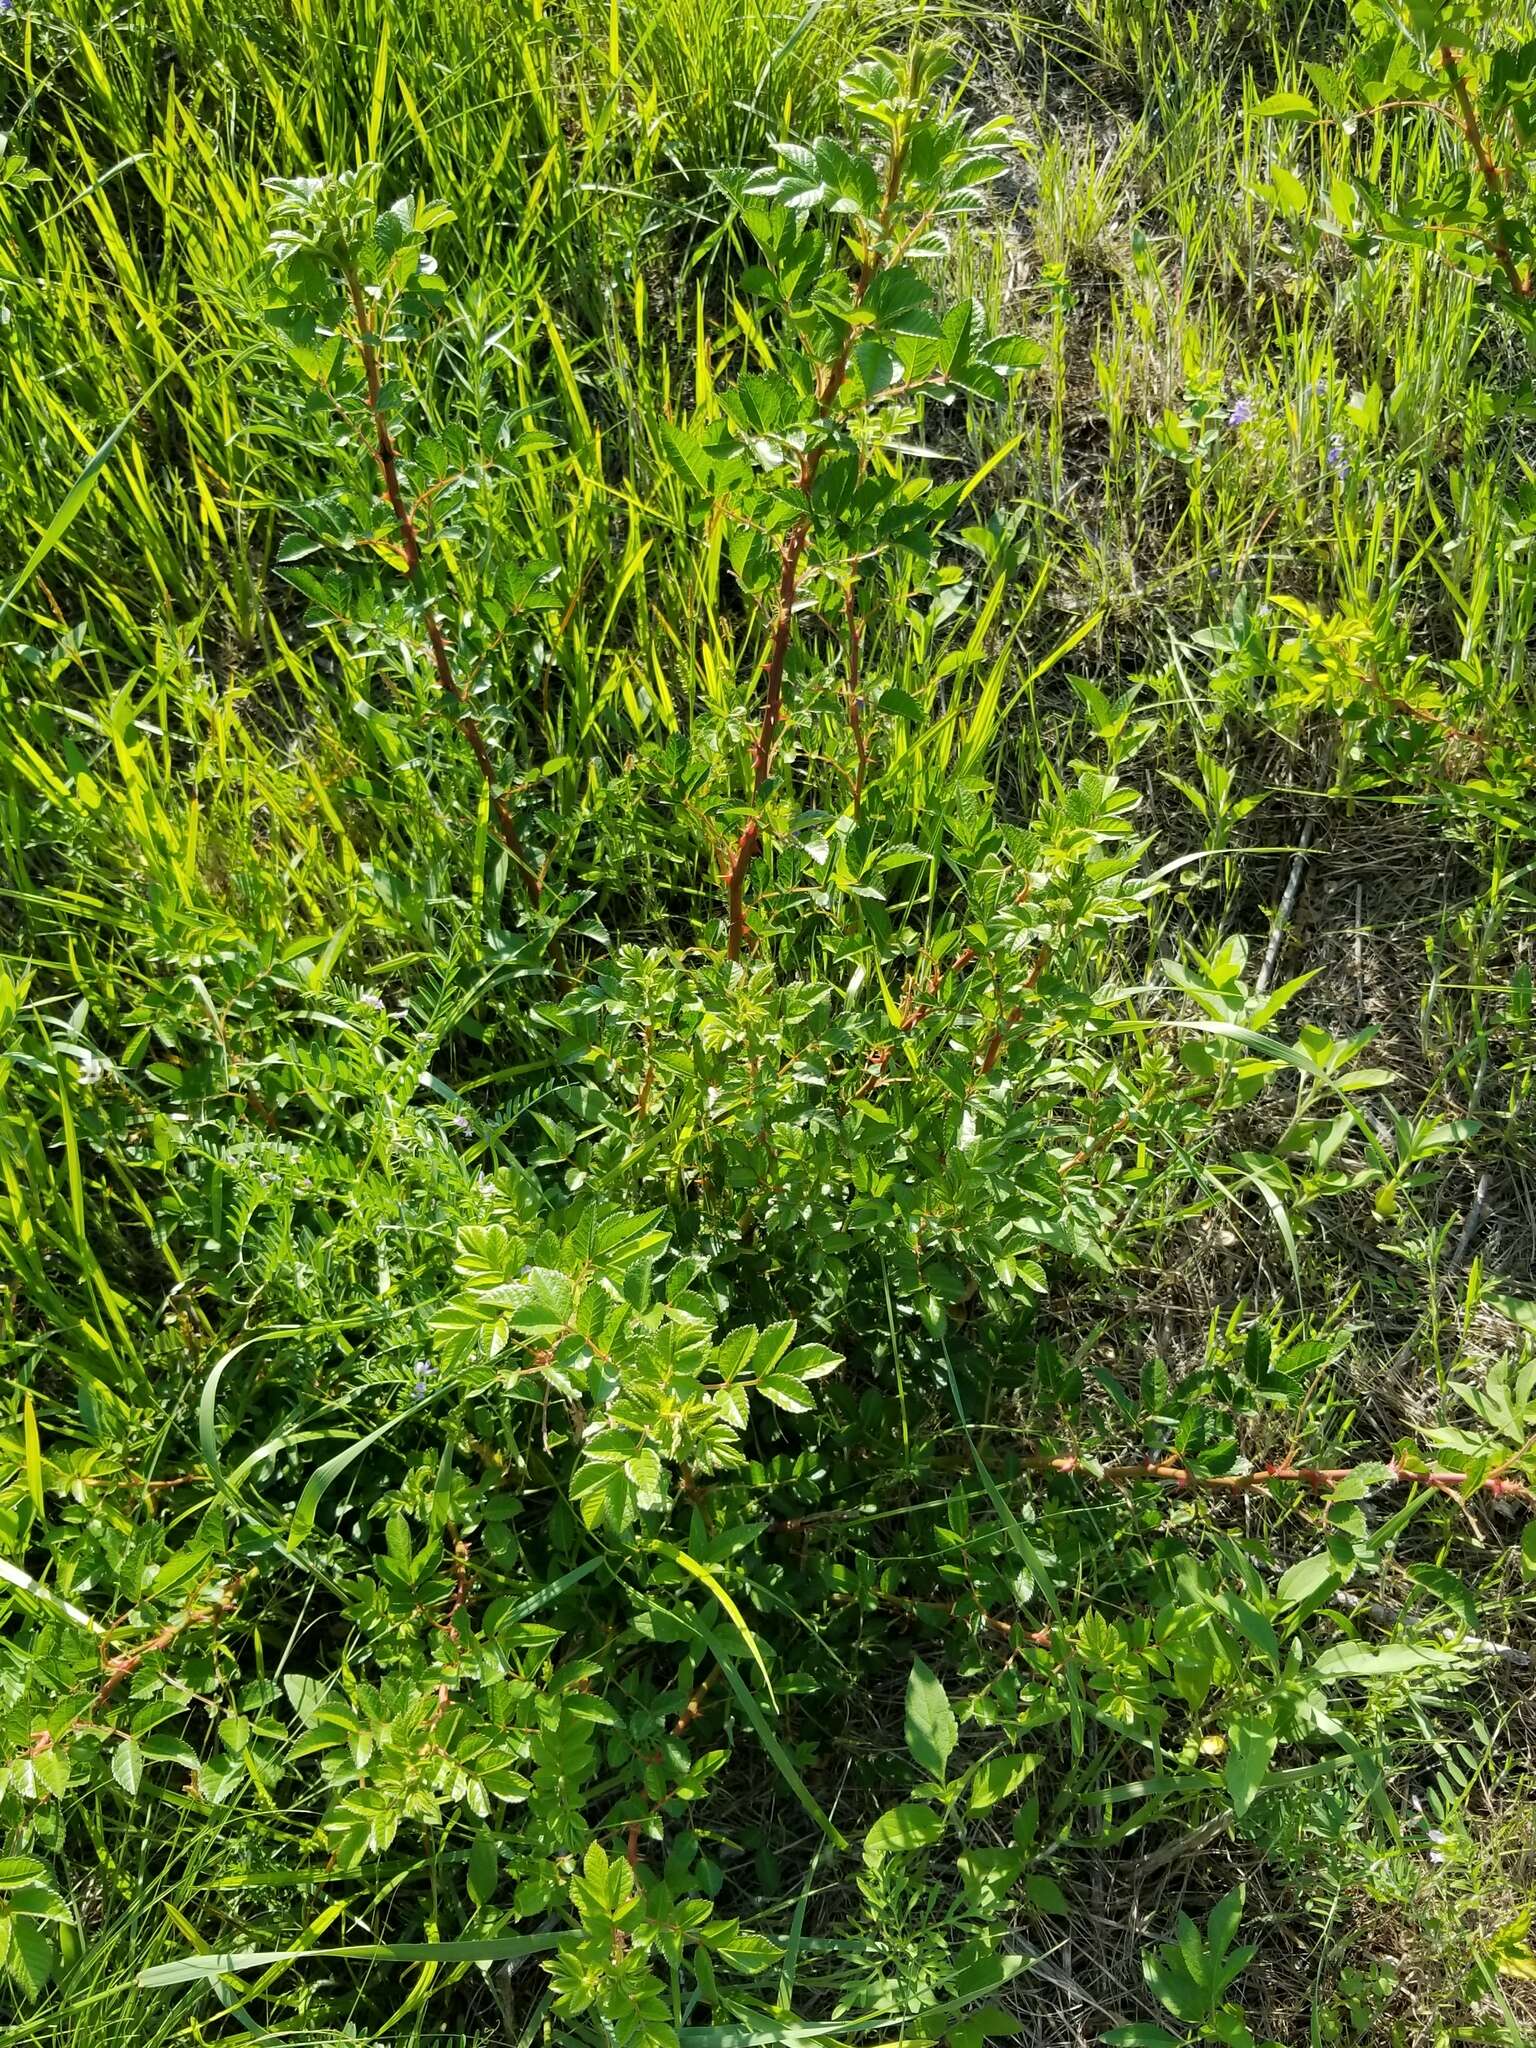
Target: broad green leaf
[(989, 2023), (930, 1722), (481, 1869), (1374, 1660), (902, 1828), (128, 1765), (30, 1959), (1250, 1751), (543, 1305), (740, 1948), (998, 1779), (1305, 1578), (1255, 1628), (1226, 1918), (785, 1391), (988, 1875), (1282, 106)]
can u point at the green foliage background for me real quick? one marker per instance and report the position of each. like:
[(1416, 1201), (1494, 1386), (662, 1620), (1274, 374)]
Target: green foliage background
[(765, 1247)]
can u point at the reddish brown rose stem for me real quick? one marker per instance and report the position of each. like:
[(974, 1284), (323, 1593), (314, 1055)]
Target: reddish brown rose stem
[(750, 843), (1471, 127), (410, 548), (1319, 1479), (680, 1727), (747, 847), (855, 706), (1168, 1472), (994, 1045), (783, 627), (128, 1662), (830, 382)]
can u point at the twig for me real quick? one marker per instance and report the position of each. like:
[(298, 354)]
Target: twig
[(1360, 947), (1473, 1224), (1283, 914)]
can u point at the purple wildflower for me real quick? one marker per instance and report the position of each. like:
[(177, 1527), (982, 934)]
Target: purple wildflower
[(1338, 461), (421, 1373), (1242, 412)]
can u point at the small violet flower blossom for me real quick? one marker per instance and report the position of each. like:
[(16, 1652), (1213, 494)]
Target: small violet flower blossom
[(1242, 412), (1338, 460)]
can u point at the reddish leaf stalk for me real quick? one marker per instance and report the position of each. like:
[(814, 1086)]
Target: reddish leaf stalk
[(461, 1591), (783, 627), (410, 547)]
